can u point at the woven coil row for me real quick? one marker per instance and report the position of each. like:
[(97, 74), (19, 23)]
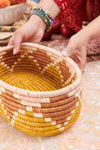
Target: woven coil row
[(40, 90)]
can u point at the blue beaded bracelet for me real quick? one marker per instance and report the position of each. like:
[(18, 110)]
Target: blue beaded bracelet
[(45, 16)]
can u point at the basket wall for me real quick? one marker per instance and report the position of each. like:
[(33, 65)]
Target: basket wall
[(40, 90)]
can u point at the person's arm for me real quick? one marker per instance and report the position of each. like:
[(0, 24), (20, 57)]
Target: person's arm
[(93, 29), (50, 5), (34, 29), (77, 45)]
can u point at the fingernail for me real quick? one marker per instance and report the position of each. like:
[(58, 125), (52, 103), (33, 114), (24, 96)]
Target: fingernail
[(14, 51), (64, 53)]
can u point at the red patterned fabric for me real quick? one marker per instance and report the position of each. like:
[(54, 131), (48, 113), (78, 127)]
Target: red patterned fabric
[(74, 12)]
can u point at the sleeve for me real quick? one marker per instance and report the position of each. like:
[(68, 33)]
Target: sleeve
[(63, 4), (74, 12)]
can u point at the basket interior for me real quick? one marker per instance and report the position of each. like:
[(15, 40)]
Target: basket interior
[(35, 69)]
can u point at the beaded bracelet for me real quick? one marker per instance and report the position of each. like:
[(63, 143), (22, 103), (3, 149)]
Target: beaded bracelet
[(45, 16)]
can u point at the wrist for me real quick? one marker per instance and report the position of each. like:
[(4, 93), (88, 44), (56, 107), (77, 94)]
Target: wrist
[(92, 29), (86, 35), (44, 15), (51, 6), (35, 19)]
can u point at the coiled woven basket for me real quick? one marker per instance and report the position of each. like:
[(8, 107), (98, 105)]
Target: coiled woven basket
[(40, 90)]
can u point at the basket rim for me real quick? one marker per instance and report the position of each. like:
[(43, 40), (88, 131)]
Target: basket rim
[(44, 94), (13, 6)]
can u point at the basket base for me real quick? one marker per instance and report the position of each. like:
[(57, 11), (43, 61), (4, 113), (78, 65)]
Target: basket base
[(34, 131), (29, 81)]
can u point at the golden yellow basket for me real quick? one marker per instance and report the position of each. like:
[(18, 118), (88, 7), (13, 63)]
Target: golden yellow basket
[(40, 90)]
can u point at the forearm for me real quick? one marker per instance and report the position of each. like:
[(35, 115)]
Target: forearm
[(92, 30), (51, 6)]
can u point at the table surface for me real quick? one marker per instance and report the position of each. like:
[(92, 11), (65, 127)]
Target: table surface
[(84, 134)]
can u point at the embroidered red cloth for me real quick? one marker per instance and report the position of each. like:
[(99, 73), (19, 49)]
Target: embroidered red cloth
[(74, 12)]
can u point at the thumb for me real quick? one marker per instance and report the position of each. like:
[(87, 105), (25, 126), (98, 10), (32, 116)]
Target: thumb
[(67, 51)]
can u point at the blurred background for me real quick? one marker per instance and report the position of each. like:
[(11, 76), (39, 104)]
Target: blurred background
[(37, 1)]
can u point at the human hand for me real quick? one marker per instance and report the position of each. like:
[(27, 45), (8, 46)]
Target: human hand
[(76, 48), (32, 31)]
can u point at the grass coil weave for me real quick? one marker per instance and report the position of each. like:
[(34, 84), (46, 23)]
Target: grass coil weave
[(40, 90)]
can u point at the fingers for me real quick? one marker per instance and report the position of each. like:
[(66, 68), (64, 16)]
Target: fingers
[(68, 51), (79, 57), (11, 41), (76, 52), (16, 40)]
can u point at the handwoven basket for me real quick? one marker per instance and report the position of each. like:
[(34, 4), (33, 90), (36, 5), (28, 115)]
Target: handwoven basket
[(40, 90)]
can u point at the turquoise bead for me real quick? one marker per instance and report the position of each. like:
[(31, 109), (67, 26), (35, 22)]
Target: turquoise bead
[(47, 12), (45, 16)]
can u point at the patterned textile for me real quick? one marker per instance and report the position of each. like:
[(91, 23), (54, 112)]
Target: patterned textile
[(74, 12), (59, 43), (15, 26), (10, 29)]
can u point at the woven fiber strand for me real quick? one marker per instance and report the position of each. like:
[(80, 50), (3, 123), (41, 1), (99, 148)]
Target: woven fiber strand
[(40, 90)]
